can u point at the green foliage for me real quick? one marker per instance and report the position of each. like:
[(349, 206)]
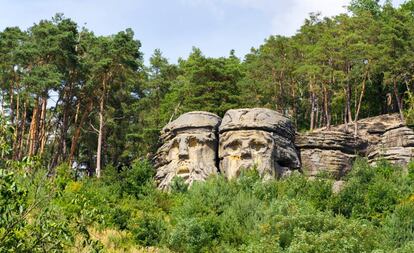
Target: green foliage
[(372, 192), (148, 230), (400, 225), (26, 222), (373, 212), (178, 185)]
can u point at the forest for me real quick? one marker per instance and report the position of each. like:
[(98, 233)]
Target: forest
[(80, 121)]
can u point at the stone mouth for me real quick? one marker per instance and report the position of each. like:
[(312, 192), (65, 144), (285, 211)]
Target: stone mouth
[(183, 172)]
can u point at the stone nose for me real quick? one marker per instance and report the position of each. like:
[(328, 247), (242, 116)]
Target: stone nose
[(183, 150), (245, 153)]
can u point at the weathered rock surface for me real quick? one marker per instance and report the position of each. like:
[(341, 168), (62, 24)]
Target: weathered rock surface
[(189, 149), (395, 146), (328, 151), (381, 137), (257, 138), (199, 144)]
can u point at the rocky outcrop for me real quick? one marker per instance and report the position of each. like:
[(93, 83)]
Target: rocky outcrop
[(396, 146), (382, 137), (257, 138), (328, 151), (199, 144)]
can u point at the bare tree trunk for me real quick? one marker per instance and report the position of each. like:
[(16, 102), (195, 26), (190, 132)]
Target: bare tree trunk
[(358, 108), (326, 107), (2, 104), (11, 105), (61, 154), (313, 111), (295, 106), (313, 108), (317, 118), (399, 102), (100, 132)]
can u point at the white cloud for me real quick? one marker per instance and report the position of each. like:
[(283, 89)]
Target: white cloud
[(291, 19), (285, 17)]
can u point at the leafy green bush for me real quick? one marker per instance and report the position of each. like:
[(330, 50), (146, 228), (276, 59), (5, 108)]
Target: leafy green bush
[(148, 230), (372, 192), (400, 225), (25, 224)]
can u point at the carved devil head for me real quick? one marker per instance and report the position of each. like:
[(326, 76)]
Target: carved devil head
[(189, 150), (256, 138)]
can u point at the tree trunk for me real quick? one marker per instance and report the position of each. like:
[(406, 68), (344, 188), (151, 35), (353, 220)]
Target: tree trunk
[(76, 135), (61, 154), (16, 132), (2, 104), (326, 107), (34, 126), (42, 136), (313, 108), (22, 132), (399, 102), (100, 132), (11, 105), (313, 111), (358, 108)]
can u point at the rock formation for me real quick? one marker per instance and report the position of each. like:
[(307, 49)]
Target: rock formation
[(256, 138), (199, 144), (189, 149), (382, 137), (328, 151)]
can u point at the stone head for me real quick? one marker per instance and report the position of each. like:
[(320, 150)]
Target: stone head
[(189, 149), (256, 138)]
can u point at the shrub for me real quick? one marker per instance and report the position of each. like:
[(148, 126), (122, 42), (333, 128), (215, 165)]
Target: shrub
[(137, 180), (400, 225), (148, 230)]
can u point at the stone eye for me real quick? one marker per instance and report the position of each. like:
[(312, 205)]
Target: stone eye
[(257, 145), (235, 145), (175, 144), (192, 142)]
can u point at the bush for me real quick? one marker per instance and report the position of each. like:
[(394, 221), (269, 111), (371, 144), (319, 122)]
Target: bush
[(24, 225), (148, 230), (400, 225), (371, 192), (137, 180)]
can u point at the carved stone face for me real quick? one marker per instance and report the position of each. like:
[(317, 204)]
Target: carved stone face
[(257, 138), (190, 155), (245, 149)]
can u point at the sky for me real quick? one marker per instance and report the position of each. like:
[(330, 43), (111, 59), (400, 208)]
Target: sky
[(175, 26)]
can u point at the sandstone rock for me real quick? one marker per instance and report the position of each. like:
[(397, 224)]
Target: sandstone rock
[(257, 119), (256, 138), (328, 151), (381, 137), (189, 149), (191, 120), (395, 146), (331, 140), (371, 129), (196, 142), (388, 138)]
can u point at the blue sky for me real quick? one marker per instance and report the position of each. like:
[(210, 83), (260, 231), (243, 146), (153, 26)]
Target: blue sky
[(174, 26)]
